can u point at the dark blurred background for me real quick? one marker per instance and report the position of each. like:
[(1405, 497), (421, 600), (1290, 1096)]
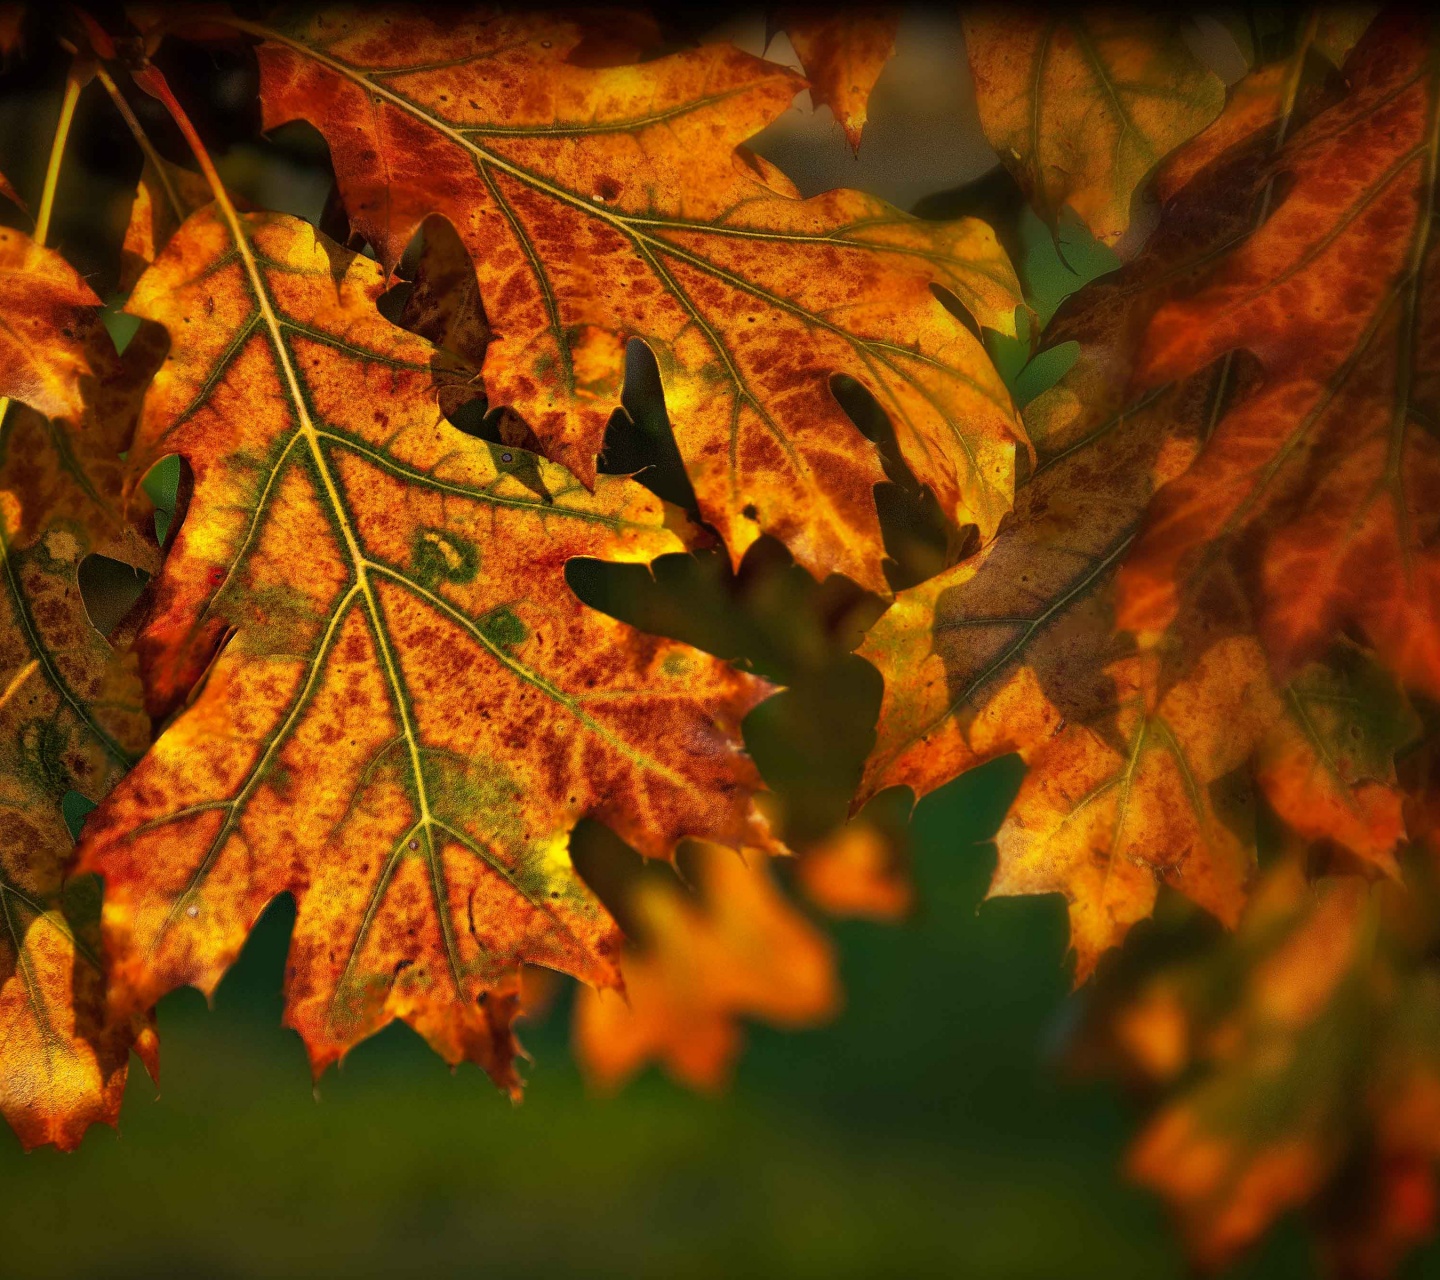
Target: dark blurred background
[(931, 1129)]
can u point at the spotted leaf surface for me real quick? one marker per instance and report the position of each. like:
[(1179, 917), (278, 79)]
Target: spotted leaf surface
[(46, 311), (600, 205), (394, 709), (70, 719)]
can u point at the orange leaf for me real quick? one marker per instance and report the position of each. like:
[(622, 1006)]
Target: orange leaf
[(70, 719), (1081, 107), (843, 52), (46, 310), (857, 871), (164, 197), (742, 952), (604, 204), (1328, 765), (396, 710), (1323, 485)]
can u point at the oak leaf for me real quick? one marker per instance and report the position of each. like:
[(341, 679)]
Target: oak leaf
[(46, 313), (741, 951), (1016, 649), (842, 51), (1297, 1067), (1081, 107), (71, 719), (393, 707), (606, 204), (1322, 486)]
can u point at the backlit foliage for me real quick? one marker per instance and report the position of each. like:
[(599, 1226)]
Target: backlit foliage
[(1193, 582)]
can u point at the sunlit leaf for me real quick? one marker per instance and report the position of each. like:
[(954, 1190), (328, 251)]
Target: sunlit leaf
[(46, 309), (394, 709), (604, 204)]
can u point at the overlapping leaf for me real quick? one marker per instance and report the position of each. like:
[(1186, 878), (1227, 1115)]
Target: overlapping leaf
[(740, 951), (1081, 107), (1323, 486), (1297, 1066), (1016, 649), (70, 719), (843, 51), (604, 204), (408, 711)]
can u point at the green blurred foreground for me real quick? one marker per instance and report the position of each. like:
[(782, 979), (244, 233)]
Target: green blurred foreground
[(924, 1133)]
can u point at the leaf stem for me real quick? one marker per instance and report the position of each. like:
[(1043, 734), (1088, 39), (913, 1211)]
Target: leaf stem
[(73, 86), (142, 140)]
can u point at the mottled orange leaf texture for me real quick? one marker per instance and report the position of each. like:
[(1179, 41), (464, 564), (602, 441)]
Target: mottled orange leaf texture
[(1141, 762), (843, 51), (1081, 106), (1296, 1066), (393, 707), (70, 719), (46, 310), (604, 204), (741, 950), (1322, 486)]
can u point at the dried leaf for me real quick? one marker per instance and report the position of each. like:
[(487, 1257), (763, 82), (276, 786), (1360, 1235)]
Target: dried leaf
[(601, 205), (843, 51), (46, 312), (1081, 107), (743, 951), (70, 719), (1015, 649), (396, 710), (1323, 486)]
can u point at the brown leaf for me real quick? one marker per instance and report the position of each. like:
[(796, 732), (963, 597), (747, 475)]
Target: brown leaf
[(70, 719), (1323, 485)]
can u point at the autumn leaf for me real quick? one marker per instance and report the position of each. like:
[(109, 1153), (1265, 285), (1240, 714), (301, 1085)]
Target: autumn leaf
[(843, 51), (1327, 765), (993, 654), (600, 205), (70, 719), (164, 197), (1322, 486), (1016, 648), (1297, 1067), (861, 870), (46, 310), (1081, 107), (741, 951), (391, 705)]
